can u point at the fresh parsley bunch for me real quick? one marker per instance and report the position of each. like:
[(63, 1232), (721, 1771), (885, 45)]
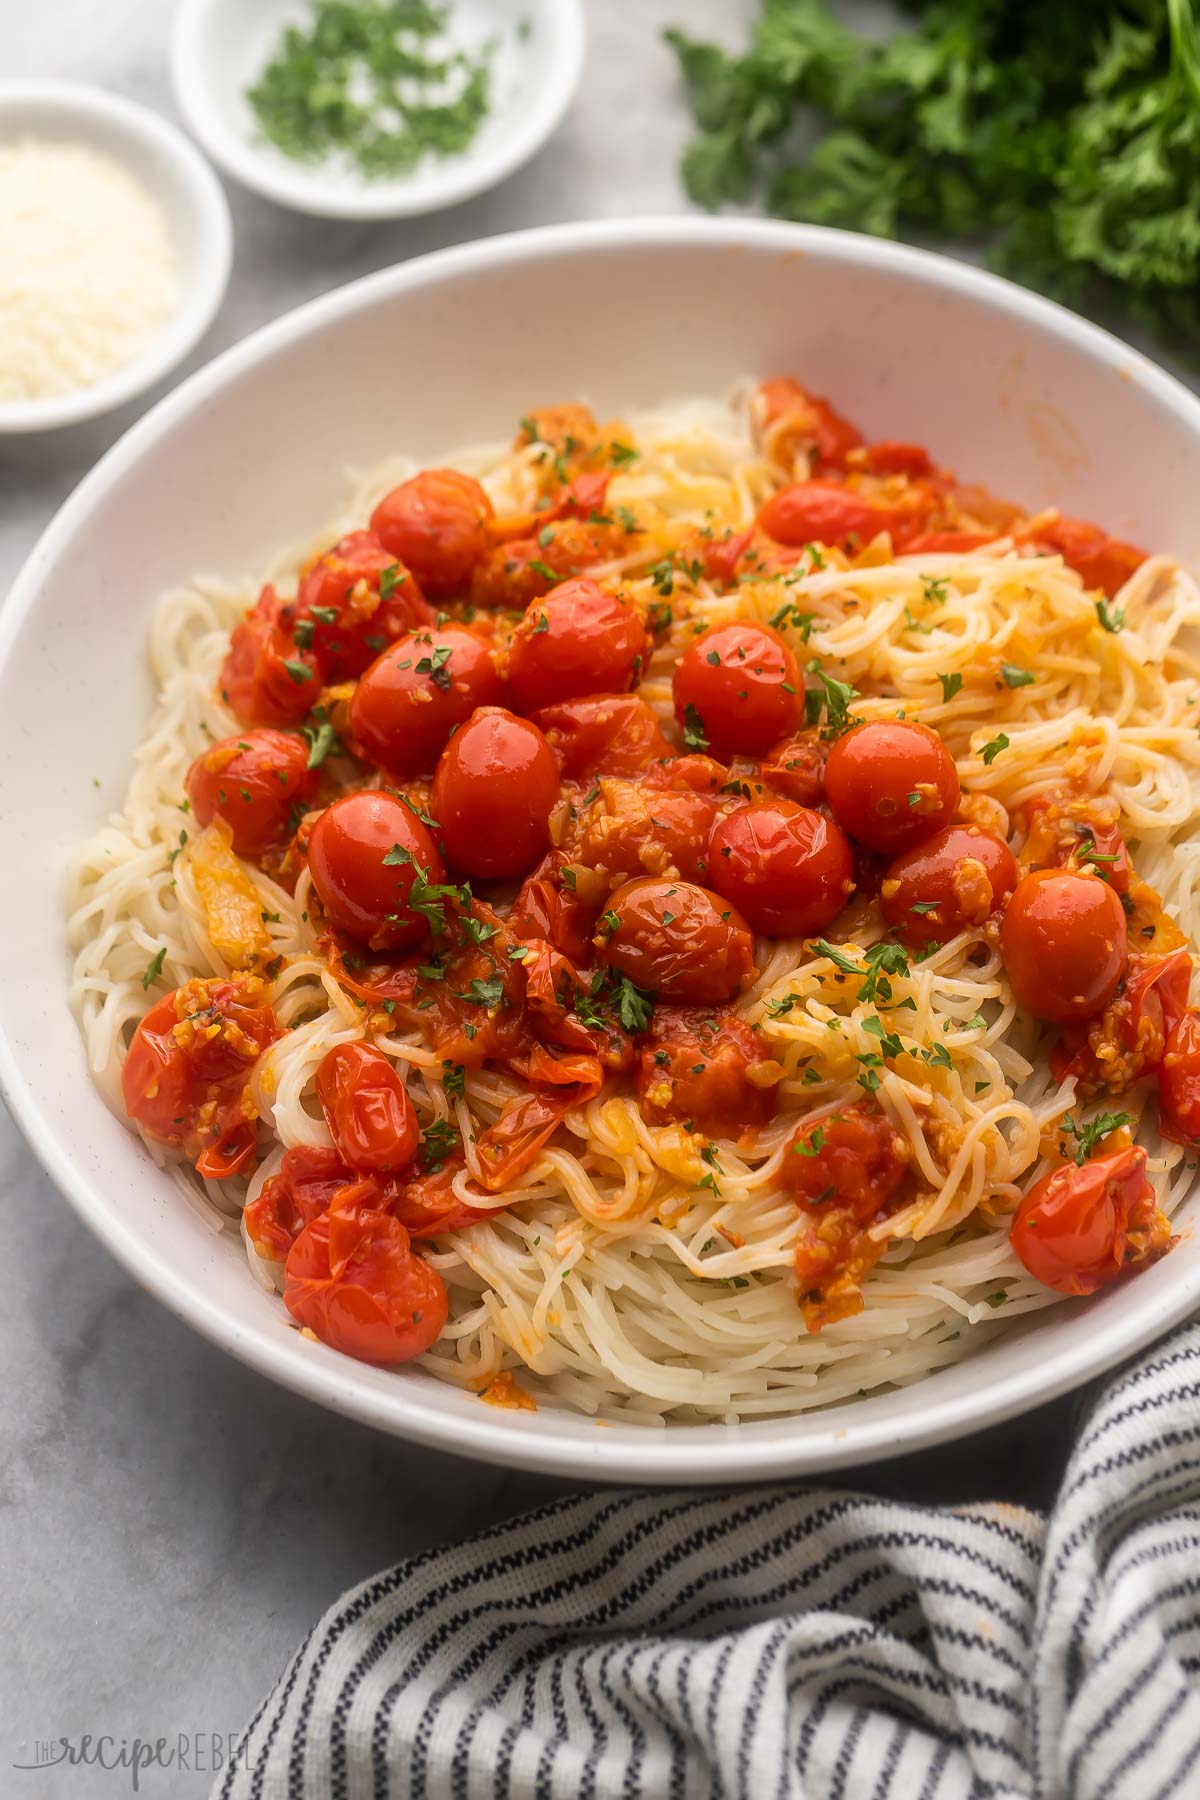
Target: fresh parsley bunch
[(1067, 134)]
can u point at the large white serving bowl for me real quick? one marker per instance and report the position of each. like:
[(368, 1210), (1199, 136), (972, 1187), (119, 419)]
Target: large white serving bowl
[(249, 453)]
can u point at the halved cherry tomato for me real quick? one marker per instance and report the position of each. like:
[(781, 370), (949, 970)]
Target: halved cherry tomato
[(352, 1279), (603, 734), (891, 783), (844, 1170), (184, 1079), (796, 423), (739, 688), (367, 1109), (437, 525), (253, 782), (956, 878), (710, 1067), (824, 512), (365, 852), (679, 940), (412, 697), (1179, 1081), (1078, 1228), (1064, 944), (795, 768), (579, 640), (787, 869), (267, 678), (494, 788), (1101, 561), (309, 1177), (341, 609)]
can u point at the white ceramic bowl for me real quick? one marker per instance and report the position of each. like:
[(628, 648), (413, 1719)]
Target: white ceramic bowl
[(196, 212), (219, 48), (1009, 389)]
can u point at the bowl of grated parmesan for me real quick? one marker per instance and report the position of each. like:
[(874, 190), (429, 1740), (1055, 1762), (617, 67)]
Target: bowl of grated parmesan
[(117, 244)]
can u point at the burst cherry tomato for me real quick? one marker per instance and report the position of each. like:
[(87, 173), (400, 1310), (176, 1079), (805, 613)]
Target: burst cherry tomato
[(1179, 1080), (788, 870), (795, 768), (706, 1066), (494, 789), (892, 783), (678, 940), (1064, 944), (802, 423), (267, 678), (437, 524), (352, 1278), (578, 640), (631, 829), (1078, 1228), (253, 782), (605, 734), (738, 687), (365, 852), (1101, 561), (823, 512), (845, 1170), (340, 604), (367, 1109), (954, 879), (412, 697), (309, 1177)]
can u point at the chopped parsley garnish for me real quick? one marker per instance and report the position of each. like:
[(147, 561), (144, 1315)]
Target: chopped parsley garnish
[(154, 968), (991, 751), (1089, 1135), (321, 738), (1112, 618), (634, 1008), (439, 1140), (435, 667), (831, 697), (812, 1145), (453, 1079), (693, 729), (950, 686), (489, 994), (299, 671), (621, 454), (1015, 677)]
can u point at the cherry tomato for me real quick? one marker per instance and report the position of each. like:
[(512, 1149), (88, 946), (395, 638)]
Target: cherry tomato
[(267, 678), (367, 1109), (788, 870), (253, 782), (723, 554), (795, 768), (605, 734), (309, 1177), (739, 688), (340, 604), (948, 541), (679, 940), (799, 423), (185, 1076), (631, 829), (515, 574), (891, 783), (494, 789), (1101, 561), (1064, 944), (891, 458), (412, 697), (823, 512), (1130, 1037), (844, 1170), (578, 640), (1179, 1081), (365, 852), (956, 878), (708, 1067), (437, 525), (1078, 1228), (352, 1279), (544, 908)]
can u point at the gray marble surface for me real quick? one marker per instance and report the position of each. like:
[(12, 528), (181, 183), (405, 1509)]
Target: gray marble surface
[(170, 1524)]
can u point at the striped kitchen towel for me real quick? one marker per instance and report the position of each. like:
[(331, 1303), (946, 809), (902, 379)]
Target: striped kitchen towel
[(774, 1643)]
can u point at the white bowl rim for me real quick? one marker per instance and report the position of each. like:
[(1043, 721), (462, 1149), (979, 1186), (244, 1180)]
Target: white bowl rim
[(578, 1448), (302, 191), (197, 307)]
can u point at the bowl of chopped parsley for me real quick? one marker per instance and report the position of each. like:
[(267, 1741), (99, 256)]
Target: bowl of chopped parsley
[(374, 109)]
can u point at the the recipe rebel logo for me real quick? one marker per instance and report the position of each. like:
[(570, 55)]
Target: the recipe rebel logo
[(198, 1752)]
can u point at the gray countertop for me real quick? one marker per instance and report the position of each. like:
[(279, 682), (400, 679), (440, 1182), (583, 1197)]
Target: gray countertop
[(170, 1523)]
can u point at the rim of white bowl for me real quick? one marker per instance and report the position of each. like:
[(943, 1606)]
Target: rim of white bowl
[(304, 190), (686, 1453), (80, 108)]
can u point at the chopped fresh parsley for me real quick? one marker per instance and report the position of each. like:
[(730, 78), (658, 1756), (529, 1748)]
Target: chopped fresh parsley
[(950, 686), (1088, 1136), (154, 968), (991, 751), (1112, 618), (693, 729), (1015, 677)]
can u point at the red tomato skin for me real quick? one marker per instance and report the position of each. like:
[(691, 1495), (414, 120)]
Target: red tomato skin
[(1064, 944), (700, 954), (1131, 1036), (695, 1064), (185, 1087), (345, 581), (1179, 1081), (823, 512), (856, 1151), (358, 890), (401, 717), (578, 640), (873, 769), (788, 870), (545, 909), (803, 422), (253, 782), (494, 788), (1100, 561), (602, 734), (1079, 1228), (944, 872), (930, 542), (795, 768), (381, 1304), (889, 457), (367, 1109), (748, 698), (436, 524), (309, 1177), (266, 679)]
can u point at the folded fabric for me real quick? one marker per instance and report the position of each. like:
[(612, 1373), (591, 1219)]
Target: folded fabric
[(773, 1643)]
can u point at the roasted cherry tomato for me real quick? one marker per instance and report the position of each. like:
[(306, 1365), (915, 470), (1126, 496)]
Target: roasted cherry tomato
[(737, 687), (1101, 561), (1064, 944), (1076, 834), (437, 525), (352, 602), (678, 940), (892, 783), (546, 909), (845, 1170), (604, 734), (253, 782), (309, 1177), (267, 678), (796, 423), (1078, 1228), (578, 640), (788, 870), (413, 696), (795, 768), (956, 878), (629, 829), (365, 853), (824, 512), (722, 555), (367, 1109), (184, 1079), (889, 457), (707, 1066), (1130, 1037), (352, 1279), (929, 542), (494, 789), (1179, 1081)]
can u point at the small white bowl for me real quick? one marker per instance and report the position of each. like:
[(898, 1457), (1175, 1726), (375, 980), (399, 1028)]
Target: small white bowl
[(220, 47), (197, 216)]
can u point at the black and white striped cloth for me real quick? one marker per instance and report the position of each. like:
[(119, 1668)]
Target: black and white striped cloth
[(771, 1644)]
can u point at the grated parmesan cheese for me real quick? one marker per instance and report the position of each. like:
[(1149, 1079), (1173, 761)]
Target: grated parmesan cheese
[(88, 273)]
